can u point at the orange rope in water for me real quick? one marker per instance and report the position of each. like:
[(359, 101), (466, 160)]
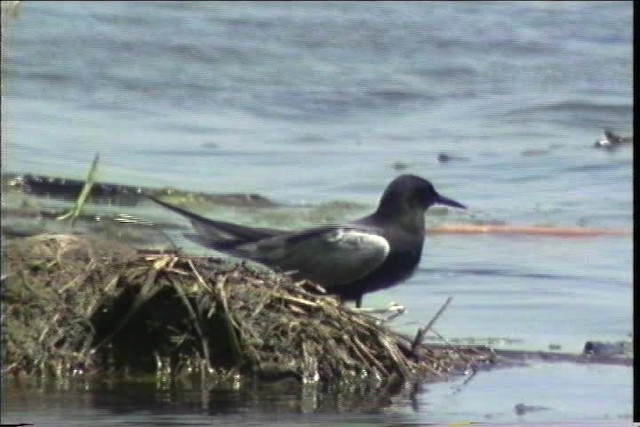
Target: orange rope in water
[(525, 230)]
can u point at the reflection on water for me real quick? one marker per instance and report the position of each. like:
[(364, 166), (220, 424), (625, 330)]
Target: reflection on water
[(538, 393), (191, 397)]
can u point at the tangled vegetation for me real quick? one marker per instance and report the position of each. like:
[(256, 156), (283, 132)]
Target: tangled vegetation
[(76, 304)]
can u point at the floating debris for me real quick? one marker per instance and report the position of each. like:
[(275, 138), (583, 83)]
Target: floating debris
[(617, 348), (446, 158), (611, 140), (521, 408), (400, 166)]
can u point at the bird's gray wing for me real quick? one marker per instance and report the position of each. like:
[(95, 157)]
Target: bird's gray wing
[(330, 256), (214, 232)]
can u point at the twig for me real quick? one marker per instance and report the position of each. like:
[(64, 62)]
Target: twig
[(232, 326), (86, 190), (297, 300), (396, 355), (263, 301), (363, 350), (201, 280), (196, 323), (422, 331)]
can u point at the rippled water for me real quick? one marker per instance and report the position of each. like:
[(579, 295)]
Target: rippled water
[(317, 102)]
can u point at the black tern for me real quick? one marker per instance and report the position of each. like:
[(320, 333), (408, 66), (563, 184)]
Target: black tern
[(372, 253)]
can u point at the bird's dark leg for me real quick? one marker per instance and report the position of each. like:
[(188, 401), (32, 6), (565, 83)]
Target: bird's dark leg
[(359, 302)]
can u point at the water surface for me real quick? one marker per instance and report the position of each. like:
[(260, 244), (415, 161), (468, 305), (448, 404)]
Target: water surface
[(319, 102)]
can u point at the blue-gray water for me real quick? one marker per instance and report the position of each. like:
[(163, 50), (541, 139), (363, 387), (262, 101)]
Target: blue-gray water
[(316, 102)]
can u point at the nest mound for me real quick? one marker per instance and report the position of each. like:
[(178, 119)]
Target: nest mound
[(77, 304)]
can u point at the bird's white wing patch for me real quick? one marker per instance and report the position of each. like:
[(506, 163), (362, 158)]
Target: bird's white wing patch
[(333, 257)]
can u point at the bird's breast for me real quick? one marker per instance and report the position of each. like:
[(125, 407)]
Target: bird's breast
[(403, 258)]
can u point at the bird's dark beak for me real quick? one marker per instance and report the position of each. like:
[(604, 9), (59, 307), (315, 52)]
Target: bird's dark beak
[(449, 202)]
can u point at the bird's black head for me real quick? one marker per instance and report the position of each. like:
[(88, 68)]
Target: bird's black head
[(409, 194)]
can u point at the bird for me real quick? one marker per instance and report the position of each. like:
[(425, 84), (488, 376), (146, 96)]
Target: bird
[(611, 140), (349, 260)]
